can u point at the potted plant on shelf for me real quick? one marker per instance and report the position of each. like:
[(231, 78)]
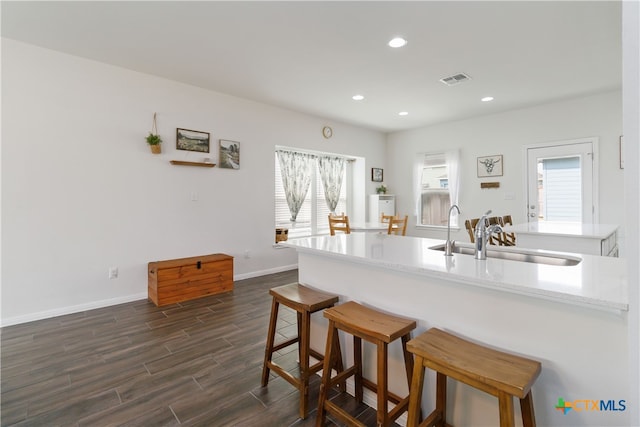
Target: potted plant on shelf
[(153, 139), (381, 190)]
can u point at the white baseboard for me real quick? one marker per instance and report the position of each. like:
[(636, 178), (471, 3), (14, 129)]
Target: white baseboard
[(120, 300), (264, 272), (371, 399), (70, 309)]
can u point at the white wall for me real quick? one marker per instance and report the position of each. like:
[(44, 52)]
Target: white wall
[(506, 133), (631, 132), (81, 191)]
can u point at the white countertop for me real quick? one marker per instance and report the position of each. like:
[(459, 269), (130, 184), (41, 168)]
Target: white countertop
[(569, 229), (597, 282)]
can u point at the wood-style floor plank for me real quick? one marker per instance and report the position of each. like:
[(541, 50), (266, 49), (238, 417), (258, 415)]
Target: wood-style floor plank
[(196, 363)]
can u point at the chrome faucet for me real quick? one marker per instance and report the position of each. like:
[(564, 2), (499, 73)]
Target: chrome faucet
[(450, 244), (482, 232)]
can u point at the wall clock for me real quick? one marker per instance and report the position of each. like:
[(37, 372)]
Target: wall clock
[(327, 132)]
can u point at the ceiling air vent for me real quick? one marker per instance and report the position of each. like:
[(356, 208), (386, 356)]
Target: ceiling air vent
[(456, 79)]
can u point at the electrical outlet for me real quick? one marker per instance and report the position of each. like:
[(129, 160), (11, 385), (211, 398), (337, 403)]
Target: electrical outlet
[(246, 254), (113, 273)]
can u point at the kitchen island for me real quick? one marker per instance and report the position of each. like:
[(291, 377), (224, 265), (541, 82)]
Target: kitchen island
[(573, 319)]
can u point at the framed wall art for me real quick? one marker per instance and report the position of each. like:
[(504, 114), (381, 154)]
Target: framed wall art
[(192, 140), (490, 166), (229, 154), (376, 174)]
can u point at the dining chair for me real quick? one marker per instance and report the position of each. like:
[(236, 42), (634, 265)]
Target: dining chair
[(398, 226), (339, 223), (495, 238), (385, 218), (470, 225), (509, 238), (503, 238)]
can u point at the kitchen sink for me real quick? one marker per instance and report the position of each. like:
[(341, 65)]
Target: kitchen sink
[(514, 254)]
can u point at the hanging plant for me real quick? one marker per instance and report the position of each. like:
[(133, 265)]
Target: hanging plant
[(153, 139)]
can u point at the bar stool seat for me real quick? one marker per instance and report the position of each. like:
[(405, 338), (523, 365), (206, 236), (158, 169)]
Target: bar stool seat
[(380, 329), (495, 372), (304, 301)]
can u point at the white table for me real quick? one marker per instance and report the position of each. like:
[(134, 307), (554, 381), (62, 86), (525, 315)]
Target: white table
[(594, 239), (369, 226)]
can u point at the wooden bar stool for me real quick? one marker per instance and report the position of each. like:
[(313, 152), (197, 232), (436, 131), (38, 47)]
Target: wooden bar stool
[(500, 374), (380, 329), (304, 301)]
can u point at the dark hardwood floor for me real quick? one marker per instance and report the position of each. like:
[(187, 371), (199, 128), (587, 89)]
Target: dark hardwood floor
[(196, 363)]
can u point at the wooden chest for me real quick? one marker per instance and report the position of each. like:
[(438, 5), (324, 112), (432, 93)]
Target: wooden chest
[(184, 279)]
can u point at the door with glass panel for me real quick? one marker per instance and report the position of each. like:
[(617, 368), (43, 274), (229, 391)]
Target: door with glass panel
[(560, 182)]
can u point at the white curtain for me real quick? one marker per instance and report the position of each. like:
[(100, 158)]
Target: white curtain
[(418, 166), (453, 165), (331, 172), (451, 159), (295, 169)]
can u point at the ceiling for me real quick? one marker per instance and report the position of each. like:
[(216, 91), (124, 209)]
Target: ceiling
[(313, 57)]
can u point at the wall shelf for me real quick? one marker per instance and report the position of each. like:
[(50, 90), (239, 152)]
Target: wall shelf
[(489, 185), (183, 163)]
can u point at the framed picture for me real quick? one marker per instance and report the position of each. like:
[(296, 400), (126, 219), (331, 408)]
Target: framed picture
[(229, 154), (490, 166), (192, 140), (376, 175)]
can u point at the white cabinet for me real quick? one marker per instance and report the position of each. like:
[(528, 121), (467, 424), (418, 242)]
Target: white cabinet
[(381, 204)]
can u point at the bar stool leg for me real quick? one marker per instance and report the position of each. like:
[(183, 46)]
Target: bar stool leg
[(304, 332), (441, 398), (507, 417), (300, 329), (408, 359), (408, 366), (336, 361), (329, 354), (271, 335), (357, 360), (415, 395), (528, 416), (382, 394)]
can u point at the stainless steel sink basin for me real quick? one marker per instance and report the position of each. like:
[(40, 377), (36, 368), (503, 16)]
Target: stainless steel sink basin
[(514, 254)]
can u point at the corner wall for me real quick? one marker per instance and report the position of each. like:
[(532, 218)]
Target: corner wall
[(81, 191)]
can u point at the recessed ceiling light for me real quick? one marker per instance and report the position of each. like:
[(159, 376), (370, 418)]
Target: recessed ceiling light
[(487, 99), (357, 97), (403, 113), (397, 42)]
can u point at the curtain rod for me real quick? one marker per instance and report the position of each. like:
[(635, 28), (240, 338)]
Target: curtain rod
[(314, 153)]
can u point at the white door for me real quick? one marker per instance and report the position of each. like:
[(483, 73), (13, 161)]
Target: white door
[(560, 182)]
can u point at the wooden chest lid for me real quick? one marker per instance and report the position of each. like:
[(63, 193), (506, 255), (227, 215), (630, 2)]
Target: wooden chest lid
[(190, 260)]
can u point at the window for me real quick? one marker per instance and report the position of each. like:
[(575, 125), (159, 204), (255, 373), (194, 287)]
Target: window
[(313, 214), (436, 187), (559, 190)]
